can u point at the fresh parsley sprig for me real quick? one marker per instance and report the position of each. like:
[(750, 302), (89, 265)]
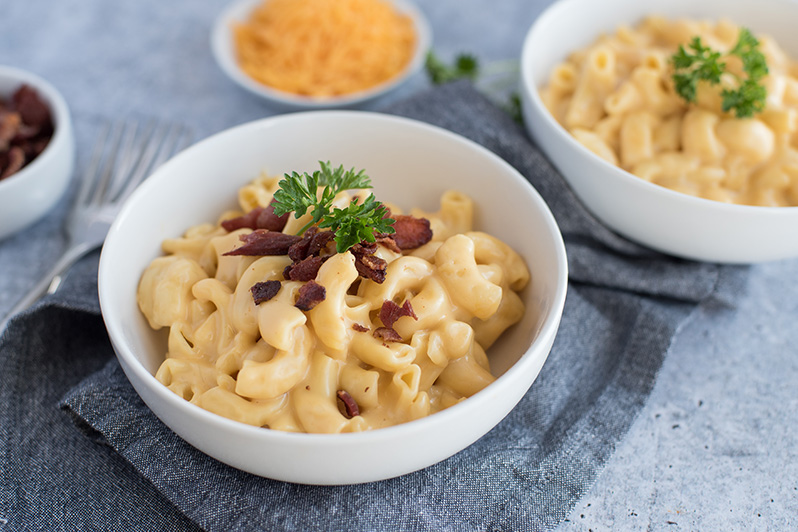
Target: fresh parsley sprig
[(465, 66), (689, 68), (357, 222), (701, 63)]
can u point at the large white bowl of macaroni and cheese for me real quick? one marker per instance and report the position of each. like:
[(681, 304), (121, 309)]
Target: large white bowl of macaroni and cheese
[(320, 365), (696, 176)]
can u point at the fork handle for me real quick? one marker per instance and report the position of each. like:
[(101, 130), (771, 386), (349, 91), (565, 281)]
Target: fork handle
[(48, 284)]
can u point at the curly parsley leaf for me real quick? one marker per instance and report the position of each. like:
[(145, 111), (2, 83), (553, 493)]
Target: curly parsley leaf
[(341, 180), (747, 49), (701, 63), (297, 193), (513, 108), (465, 66), (357, 222), (749, 98)]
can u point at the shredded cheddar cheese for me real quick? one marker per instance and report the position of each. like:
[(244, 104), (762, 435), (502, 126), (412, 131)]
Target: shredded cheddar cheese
[(323, 48)]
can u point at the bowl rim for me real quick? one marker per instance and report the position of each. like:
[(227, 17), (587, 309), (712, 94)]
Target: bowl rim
[(529, 56), (546, 331), (223, 50), (60, 114)]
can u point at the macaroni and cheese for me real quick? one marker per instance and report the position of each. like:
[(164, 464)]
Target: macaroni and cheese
[(271, 364), (617, 99)]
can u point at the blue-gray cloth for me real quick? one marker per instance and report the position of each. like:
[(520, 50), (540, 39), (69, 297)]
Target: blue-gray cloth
[(80, 450)]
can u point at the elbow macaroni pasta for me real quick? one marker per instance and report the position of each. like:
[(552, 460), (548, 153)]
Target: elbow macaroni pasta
[(617, 99), (275, 366)]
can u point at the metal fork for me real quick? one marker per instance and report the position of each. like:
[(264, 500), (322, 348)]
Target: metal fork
[(124, 154)]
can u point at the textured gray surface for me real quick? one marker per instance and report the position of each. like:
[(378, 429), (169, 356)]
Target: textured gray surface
[(716, 446)]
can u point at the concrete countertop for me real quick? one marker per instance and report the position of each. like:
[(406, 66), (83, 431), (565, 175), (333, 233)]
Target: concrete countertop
[(716, 446)]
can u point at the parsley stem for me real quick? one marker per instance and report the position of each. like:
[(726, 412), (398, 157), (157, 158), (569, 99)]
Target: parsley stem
[(305, 228)]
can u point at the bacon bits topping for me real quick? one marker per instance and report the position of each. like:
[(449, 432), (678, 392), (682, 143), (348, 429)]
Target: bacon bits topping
[(388, 334), (371, 267), (304, 270), (248, 220), (350, 408), (390, 312), (264, 291), (15, 161), (264, 242), (258, 218), (319, 242), (299, 251), (367, 264), (364, 248), (310, 295), (9, 127), (389, 243), (313, 243), (31, 108), (411, 232), (360, 328), (26, 128)]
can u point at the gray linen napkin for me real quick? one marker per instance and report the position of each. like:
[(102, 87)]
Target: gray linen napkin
[(126, 470)]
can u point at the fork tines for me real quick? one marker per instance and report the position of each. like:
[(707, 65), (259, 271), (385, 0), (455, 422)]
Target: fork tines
[(125, 154)]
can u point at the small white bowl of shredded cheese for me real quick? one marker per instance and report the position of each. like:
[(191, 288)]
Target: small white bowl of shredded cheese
[(320, 55)]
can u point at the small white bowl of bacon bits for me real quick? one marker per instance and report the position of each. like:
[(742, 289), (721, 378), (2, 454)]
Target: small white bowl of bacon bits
[(333, 297), (37, 148), (674, 121), (318, 54)]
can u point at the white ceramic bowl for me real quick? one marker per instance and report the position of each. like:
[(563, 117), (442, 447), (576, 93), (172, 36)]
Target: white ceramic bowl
[(657, 217), (224, 52), (411, 164), (30, 193)]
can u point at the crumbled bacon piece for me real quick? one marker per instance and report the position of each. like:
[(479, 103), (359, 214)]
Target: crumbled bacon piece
[(350, 408), (262, 292), (389, 243), (25, 130), (299, 250), (264, 242), (25, 133), (411, 232), (319, 242), (258, 218), (268, 220), (34, 147), (32, 109), (360, 328), (304, 270), (364, 248), (247, 220), (367, 264), (310, 295), (15, 161), (371, 267), (390, 312), (10, 123), (388, 334)]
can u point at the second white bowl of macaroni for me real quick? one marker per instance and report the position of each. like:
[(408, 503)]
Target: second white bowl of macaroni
[(705, 180), (368, 367)]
